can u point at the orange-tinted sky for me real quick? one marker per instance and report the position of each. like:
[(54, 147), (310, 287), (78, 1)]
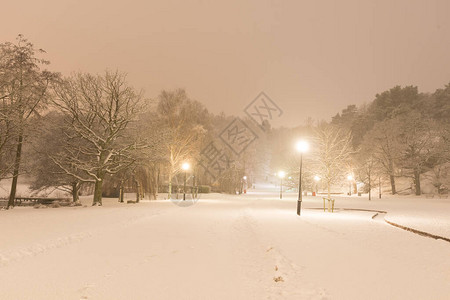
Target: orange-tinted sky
[(311, 57)]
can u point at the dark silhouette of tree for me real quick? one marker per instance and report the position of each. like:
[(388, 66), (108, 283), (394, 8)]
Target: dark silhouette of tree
[(24, 92)]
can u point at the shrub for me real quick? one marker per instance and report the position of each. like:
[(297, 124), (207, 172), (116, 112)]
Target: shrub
[(204, 189), (55, 204)]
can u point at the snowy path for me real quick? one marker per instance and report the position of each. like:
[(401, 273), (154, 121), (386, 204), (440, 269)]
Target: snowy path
[(230, 248)]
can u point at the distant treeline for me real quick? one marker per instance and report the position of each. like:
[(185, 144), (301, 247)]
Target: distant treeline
[(96, 130)]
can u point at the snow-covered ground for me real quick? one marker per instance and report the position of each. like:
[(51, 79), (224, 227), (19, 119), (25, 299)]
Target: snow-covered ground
[(252, 246)]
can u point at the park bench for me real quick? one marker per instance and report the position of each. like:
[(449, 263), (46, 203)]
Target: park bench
[(429, 195), (328, 199), (443, 195), (37, 200)]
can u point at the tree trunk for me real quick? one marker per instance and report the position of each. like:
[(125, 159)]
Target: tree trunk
[(392, 178), (153, 183), (138, 191), (98, 192), (417, 182), (370, 189), (379, 187), (75, 191), (12, 194), (169, 194), (157, 181), (329, 194), (121, 192)]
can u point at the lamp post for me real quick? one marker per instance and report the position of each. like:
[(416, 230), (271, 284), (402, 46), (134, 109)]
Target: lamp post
[(185, 166), (244, 184), (350, 178), (281, 174), (302, 147), (317, 179)]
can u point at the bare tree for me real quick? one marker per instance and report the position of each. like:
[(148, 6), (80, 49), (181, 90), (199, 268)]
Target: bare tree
[(422, 147), (332, 150), (48, 145), (367, 166), (7, 135), (383, 140), (23, 88), (152, 158), (97, 111), (183, 125)]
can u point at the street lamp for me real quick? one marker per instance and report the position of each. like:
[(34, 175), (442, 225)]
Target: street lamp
[(185, 166), (302, 147), (350, 179), (243, 185), (281, 174), (317, 179)]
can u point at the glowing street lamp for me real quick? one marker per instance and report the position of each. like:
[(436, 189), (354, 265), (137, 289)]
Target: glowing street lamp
[(317, 179), (350, 179), (302, 147), (243, 185), (185, 166), (281, 174)]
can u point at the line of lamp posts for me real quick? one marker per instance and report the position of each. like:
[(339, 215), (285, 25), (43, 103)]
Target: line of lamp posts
[(302, 147)]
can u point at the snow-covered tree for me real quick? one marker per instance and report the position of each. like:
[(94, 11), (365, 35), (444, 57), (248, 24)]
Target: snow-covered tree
[(49, 144), (183, 124), (97, 110), (421, 145), (367, 165), (24, 93), (383, 141), (332, 149)]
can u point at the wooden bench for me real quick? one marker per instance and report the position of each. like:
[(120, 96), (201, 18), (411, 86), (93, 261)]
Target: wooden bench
[(328, 199), (37, 200)]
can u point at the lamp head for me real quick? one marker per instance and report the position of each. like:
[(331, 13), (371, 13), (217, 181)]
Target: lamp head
[(281, 174), (185, 166), (302, 146)]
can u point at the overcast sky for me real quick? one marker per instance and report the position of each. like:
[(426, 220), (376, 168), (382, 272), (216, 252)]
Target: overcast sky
[(311, 57)]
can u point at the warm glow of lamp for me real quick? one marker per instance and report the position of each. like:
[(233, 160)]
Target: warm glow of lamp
[(245, 177), (281, 174), (350, 177), (302, 146), (185, 166), (316, 178)]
